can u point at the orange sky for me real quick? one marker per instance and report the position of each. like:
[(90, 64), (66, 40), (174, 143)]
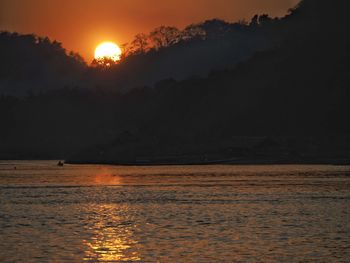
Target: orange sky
[(81, 24)]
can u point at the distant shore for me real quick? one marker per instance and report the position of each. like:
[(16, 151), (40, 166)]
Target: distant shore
[(217, 162)]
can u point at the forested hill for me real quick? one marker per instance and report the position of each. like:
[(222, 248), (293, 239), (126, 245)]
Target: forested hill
[(289, 100), (31, 64), (36, 64), (170, 53), (289, 103)]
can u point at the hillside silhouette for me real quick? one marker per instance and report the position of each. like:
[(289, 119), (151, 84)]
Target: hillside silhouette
[(168, 52), (32, 64), (36, 64), (286, 102)]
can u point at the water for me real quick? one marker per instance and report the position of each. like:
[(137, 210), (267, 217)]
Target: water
[(174, 214)]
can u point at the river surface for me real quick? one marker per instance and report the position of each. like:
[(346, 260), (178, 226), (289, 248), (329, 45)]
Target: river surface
[(92, 213)]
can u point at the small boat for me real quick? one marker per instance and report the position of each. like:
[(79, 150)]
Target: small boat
[(60, 163)]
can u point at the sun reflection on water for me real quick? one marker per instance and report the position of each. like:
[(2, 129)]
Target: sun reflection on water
[(113, 239), (105, 176)]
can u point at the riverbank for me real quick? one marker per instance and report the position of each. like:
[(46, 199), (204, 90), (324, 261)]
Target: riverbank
[(236, 161)]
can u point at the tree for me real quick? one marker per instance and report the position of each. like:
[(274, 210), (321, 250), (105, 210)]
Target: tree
[(255, 21), (140, 44), (265, 19), (165, 36), (104, 62), (215, 28), (193, 32), (126, 50)]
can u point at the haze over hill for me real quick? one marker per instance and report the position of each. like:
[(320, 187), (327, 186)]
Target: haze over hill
[(281, 89)]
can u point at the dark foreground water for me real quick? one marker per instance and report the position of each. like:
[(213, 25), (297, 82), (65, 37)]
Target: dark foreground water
[(174, 214)]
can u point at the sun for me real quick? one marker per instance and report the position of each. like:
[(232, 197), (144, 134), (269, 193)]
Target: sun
[(108, 50)]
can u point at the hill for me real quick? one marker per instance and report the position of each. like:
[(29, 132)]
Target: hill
[(31, 64), (288, 103)]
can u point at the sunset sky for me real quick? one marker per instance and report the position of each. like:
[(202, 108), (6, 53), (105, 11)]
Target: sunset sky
[(82, 24)]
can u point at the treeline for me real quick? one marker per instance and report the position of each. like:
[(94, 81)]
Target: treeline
[(168, 52), (166, 36), (35, 64)]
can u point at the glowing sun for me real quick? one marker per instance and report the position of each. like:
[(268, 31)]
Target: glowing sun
[(108, 50)]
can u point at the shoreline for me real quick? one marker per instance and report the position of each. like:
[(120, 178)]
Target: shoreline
[(183, 162), (215, 162)]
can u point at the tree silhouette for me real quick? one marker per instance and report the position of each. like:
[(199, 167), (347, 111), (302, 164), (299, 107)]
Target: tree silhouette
[(140, 44), (255, 21), (165, 36), (193, 32), (104, 62), (126, 50)]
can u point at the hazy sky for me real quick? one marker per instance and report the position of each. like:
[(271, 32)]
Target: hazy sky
[(81, 24)]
